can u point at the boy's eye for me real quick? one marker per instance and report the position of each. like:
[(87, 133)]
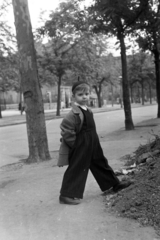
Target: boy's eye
[(82, 93)]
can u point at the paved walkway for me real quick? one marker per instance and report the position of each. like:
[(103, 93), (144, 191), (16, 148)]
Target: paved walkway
[(29, 207)]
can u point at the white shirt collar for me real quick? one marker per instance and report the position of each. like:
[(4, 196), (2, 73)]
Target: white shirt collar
[(83, 107)]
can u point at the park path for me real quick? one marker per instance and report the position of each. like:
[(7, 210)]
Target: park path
[(30, 210), (29, 207)]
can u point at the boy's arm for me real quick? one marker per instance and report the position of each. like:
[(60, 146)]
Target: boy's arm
[(68, 132)]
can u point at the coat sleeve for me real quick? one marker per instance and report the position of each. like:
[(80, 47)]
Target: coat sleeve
[(68, 131)]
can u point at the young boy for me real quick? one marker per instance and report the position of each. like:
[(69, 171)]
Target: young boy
[(81, 148)]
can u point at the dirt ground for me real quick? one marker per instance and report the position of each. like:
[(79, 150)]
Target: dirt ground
[(30, 210), (141, 201)]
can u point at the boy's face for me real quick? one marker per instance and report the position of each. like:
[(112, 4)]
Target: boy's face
[(81, 97)]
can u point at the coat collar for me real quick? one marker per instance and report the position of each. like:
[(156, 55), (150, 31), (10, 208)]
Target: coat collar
[(82, 107), (77, 110)]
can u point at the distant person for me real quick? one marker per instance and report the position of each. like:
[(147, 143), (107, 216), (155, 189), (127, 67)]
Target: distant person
[(21, 108), (91, 103), (81, 148)]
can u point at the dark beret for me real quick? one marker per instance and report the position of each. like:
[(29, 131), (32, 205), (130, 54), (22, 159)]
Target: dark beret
[(77, 84)]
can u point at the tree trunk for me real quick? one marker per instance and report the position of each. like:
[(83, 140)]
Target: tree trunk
[(142, 88), (99, 100), (112, 95), (126, 101), (157, 68), (4, 100), (20, 96), (36, 128), (131, 90), (150, 92), (59, 96), (0, 111), (98, 92), (139, 95)]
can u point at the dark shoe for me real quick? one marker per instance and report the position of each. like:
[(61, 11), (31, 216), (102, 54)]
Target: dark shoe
[(67, 200), (122, 185)]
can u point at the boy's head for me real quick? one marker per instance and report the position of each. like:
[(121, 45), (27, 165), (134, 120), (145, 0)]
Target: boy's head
[(80, 86), (81, 92)]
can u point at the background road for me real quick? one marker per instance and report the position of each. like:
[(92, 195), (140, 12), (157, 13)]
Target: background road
[(14, 143)]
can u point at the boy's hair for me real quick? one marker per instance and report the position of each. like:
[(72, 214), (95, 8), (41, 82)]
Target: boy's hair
[(80, 86)]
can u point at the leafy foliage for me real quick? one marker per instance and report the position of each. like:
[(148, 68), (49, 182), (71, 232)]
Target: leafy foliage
[(9, 73), (116, 18), (7, 38), (148, 32), (112, 16), (72, 51), (140, 67), (62, 34), (148, 27), (141, 75)]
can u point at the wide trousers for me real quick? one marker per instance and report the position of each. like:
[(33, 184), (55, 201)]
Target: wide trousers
[(85, 155)]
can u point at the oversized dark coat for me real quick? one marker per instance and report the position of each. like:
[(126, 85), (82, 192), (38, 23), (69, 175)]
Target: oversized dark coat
[(70, 127)]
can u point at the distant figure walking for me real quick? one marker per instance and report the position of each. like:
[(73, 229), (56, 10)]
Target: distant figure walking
[(21, 108)]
